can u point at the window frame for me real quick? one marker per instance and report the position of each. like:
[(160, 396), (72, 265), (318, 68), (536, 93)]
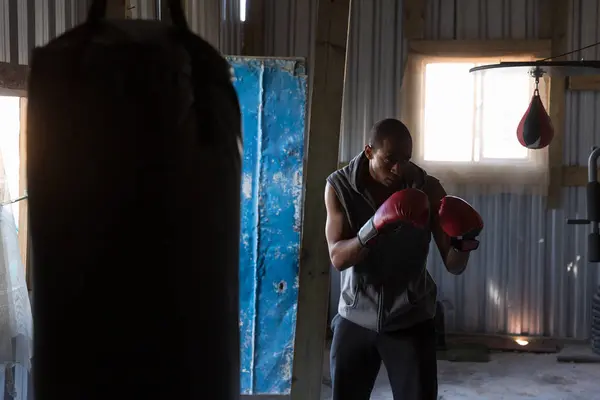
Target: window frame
[(420, 52)]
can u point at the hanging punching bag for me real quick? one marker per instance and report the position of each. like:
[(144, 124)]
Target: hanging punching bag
[(134, 141), (535, 130)]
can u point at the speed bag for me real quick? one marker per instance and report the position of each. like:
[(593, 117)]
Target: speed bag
[(134, 164), (535, 130)]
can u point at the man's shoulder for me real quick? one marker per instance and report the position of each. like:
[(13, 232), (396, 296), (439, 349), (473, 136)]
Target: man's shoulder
[(431, 180), (339, 174), (433, 187)]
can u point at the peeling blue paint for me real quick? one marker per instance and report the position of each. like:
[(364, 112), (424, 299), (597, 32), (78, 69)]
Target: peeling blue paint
[(273, 98)]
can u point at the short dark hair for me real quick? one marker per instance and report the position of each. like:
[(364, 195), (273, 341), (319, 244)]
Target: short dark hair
[(385, 129)]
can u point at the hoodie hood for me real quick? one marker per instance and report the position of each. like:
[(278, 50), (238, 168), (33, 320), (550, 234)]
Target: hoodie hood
[(356, 168)]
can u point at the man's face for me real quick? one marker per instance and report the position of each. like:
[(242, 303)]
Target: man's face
[(390, 163)]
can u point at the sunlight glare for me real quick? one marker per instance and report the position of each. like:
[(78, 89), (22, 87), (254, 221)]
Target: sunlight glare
[(243, 10)]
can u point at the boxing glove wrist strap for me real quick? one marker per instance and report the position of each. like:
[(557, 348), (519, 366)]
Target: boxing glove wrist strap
[(463, 244), (367, 233)]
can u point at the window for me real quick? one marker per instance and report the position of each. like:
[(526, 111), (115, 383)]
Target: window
[(483, 110), (465, 124), (12, 163)]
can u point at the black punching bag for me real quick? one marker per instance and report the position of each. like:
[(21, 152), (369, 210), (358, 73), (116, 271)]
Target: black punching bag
[(134, 142)]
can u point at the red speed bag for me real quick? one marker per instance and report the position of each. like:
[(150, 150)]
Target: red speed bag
[(535, 130)]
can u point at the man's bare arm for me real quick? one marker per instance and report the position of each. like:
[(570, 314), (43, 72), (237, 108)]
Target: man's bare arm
[(344, 250), (455, 261)]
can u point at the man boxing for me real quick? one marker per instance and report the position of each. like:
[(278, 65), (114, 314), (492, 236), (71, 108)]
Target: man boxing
[(381, 213)]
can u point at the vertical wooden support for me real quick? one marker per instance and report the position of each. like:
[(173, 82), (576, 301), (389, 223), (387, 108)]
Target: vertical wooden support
[(413, 21), (322, 158), (116, 9), (545, 15), (23, 204), (559, 26), (254, 29)]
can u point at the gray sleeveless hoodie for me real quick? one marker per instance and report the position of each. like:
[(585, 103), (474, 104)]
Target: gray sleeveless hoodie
[(391, 289)]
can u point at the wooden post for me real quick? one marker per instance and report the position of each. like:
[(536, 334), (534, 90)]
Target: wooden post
[(23, 224), (322, 158), (116, 9), (254, 29), (560, 15), (13, 79), (413, 20)]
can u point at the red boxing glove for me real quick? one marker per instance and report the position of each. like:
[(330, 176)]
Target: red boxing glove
[(461, 222), (410, 206)]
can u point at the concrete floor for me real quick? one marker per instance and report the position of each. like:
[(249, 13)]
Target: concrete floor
[(507, 376)]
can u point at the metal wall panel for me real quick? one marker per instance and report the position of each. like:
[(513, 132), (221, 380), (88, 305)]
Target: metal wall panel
[(25, 24), (273, 101), (217, 21), (530, 275)]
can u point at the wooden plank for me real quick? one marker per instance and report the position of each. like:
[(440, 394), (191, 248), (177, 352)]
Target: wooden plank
[(23, 204), (13, 79), (254, 29), (585, 82), (575, 176), (481, 48), (557, 106), (413, 21), (322, 158), (506, 342)]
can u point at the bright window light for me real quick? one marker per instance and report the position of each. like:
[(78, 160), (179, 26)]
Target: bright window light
[(473, 117), (243, 10), (449, 95), (504, 100), (10, 125)]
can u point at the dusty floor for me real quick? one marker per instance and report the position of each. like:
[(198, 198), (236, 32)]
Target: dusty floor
[(507, 376)]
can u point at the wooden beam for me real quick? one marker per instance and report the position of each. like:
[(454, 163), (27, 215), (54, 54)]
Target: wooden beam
[(481, 48), (560, 22), (413, 21), (23, 235), (254, 29), (13, 79), (322, 158), (585, 82), (575, 176)]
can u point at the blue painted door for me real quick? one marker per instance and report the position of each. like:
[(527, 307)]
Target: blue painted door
[(272, 94)]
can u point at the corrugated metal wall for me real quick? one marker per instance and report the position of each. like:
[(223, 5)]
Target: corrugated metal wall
[(530, 275), (25, 24), (217, 21)]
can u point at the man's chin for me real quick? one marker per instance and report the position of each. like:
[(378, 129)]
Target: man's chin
[(392, 183)]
